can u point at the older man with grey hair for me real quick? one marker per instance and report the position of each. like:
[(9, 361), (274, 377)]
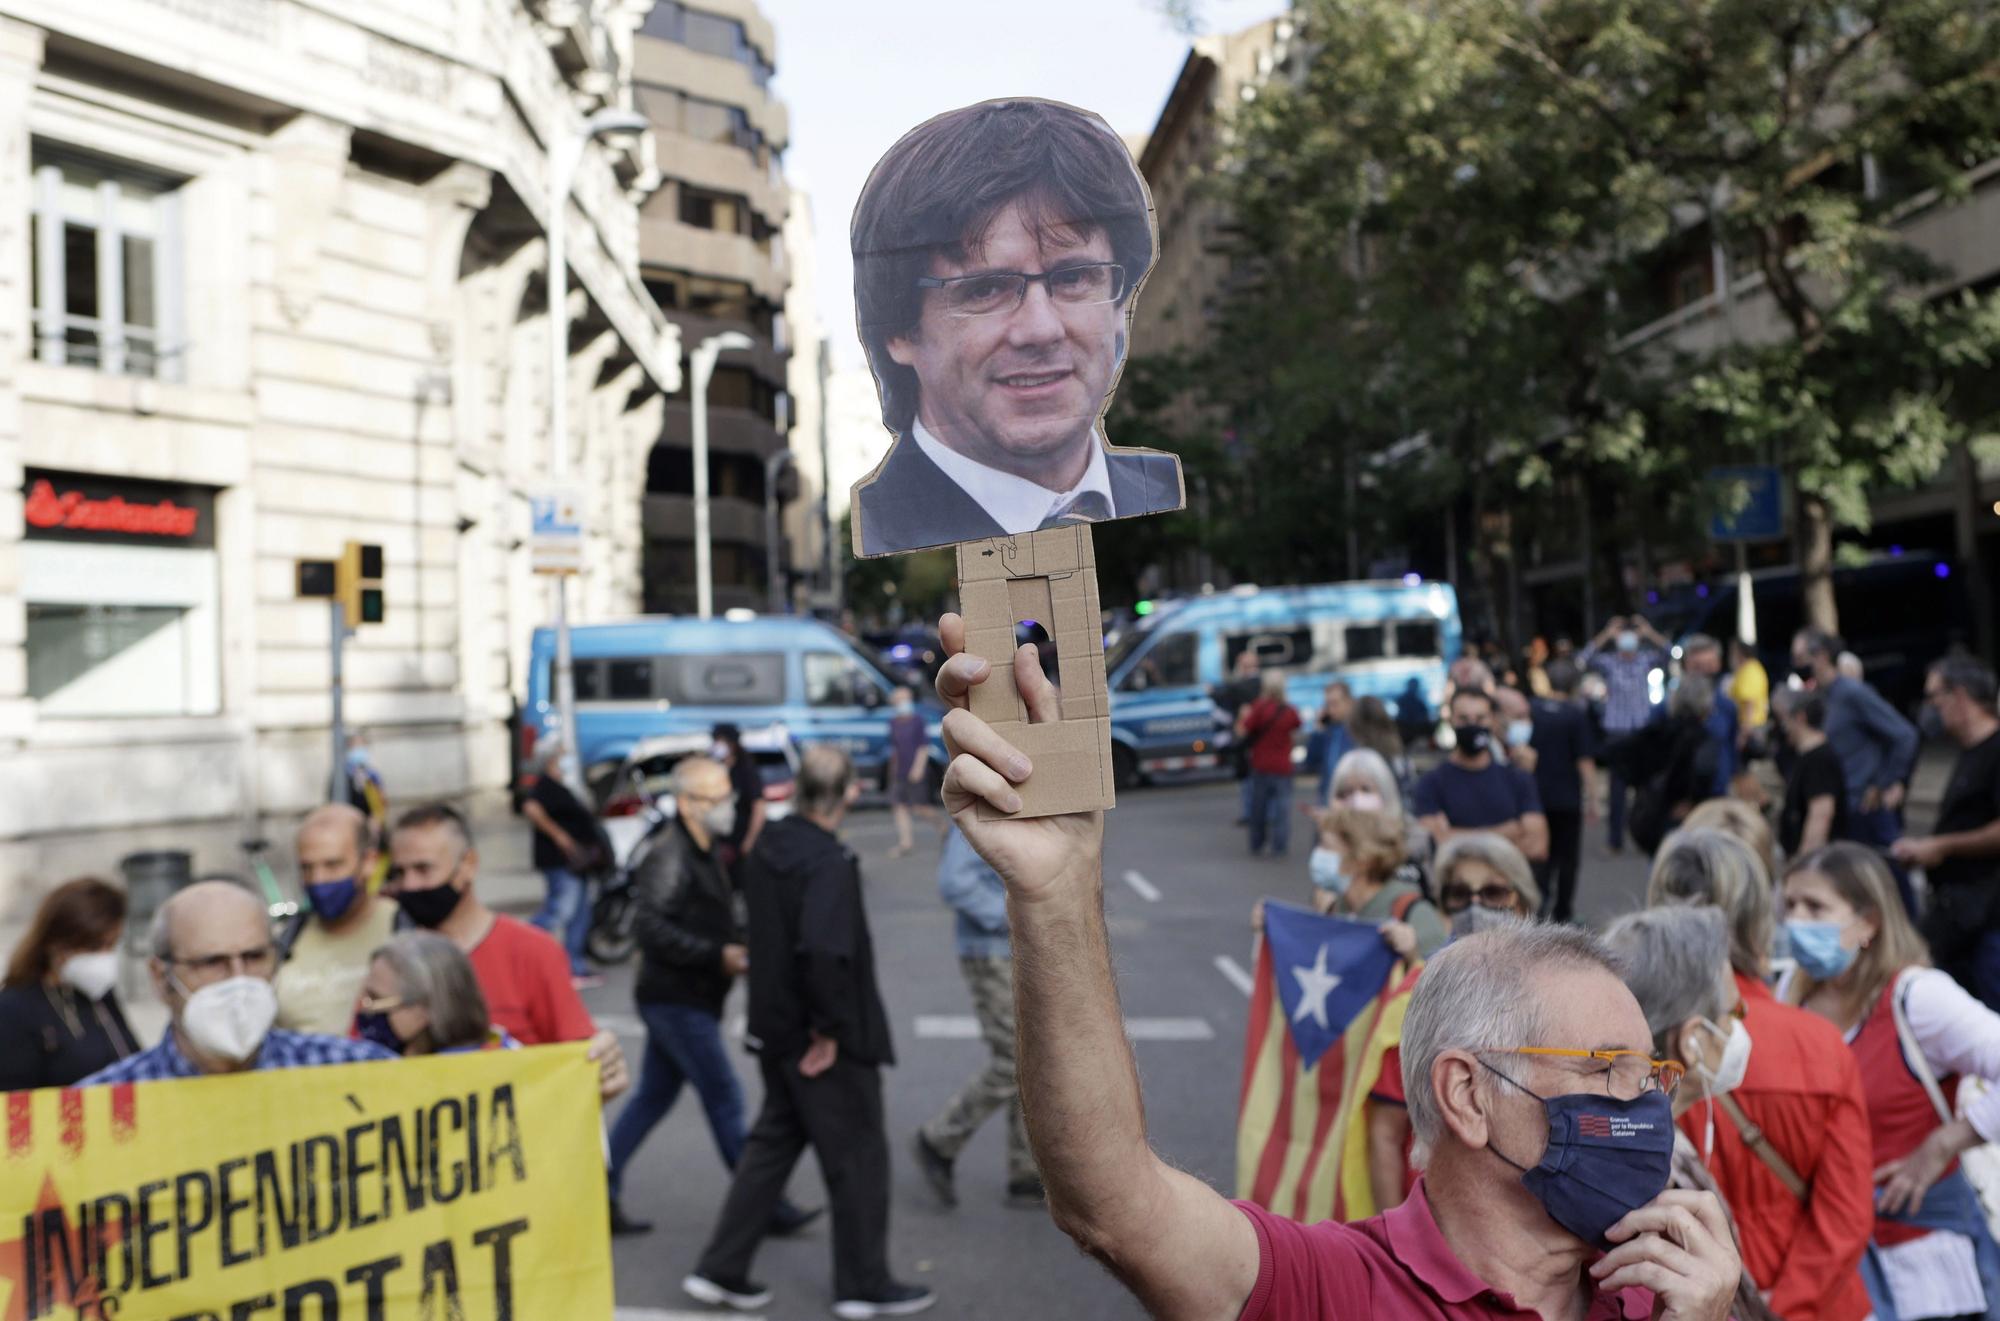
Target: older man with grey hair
[(1542, 1121), (211, 966)]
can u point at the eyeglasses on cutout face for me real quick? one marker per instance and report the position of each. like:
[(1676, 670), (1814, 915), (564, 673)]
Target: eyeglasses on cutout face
[(992, 293)]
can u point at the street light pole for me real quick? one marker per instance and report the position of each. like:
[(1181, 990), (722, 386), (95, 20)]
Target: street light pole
[(773, 557), (701, 366), (565, 154)]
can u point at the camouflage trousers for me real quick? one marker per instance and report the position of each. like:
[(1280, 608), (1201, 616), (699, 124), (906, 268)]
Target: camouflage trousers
[(991, 981)]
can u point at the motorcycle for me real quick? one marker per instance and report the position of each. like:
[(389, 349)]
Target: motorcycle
[(612, 938)]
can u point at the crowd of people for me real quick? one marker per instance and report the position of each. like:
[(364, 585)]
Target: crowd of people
[(1748, 1098)]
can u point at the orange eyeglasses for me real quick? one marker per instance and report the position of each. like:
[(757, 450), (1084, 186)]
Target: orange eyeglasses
[(1634, 1071)]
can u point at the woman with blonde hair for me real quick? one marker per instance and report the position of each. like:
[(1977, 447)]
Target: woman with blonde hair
[(1733, 816), (1914, 1032)]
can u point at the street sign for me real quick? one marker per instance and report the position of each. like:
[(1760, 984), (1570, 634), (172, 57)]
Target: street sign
[(555, 537), (1762, 514)]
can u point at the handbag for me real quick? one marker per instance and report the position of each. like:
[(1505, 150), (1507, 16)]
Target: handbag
[(1760, 1146)]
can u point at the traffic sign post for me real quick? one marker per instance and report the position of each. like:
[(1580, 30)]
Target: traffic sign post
[(1759, 517), (555, 548)]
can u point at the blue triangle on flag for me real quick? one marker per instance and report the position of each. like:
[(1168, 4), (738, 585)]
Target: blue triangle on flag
[(1327, 969)]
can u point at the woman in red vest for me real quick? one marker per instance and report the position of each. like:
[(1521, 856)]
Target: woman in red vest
[(1914, 1031)]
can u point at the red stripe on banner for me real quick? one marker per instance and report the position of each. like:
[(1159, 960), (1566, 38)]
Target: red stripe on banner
[(1263, 993), (1332, 1072), (20, 1123), (124, 1113), (1273, 1163), (69, 1108)]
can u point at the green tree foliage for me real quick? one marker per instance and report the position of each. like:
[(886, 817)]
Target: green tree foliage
[(1448, 231)]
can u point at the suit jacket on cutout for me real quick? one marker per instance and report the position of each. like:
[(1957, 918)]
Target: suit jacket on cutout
[(912, 503)]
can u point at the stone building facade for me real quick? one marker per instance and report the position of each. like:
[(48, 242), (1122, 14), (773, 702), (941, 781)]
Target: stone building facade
[(273, 277)]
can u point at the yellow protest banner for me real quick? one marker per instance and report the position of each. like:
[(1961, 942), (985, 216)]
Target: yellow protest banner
[(451, 1188)]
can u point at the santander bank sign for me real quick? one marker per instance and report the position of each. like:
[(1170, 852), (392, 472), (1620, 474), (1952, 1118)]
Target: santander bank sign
[(49, 509)]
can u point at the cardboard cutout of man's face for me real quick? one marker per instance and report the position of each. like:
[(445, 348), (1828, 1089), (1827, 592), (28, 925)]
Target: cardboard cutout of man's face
[(998, 251)]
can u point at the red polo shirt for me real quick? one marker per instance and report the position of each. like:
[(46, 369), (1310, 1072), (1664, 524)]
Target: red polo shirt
[(1268, 731), (1803, 1088), (524, 975), (1396, 1265)]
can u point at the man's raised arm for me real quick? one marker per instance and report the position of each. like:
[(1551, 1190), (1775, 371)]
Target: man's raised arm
[(1174, 1241)]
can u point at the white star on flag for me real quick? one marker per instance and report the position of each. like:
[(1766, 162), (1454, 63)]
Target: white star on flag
[(1315, 983)]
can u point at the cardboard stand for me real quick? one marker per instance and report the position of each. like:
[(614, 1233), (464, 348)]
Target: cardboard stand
[(1049, 577)]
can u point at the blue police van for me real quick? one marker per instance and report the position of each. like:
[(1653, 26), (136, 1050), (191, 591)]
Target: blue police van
[(670, 675), (1393, 640)]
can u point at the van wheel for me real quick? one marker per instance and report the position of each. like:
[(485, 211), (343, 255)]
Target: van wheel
[(1124, 767)]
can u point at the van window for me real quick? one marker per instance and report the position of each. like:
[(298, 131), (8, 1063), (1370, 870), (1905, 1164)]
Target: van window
[(1286, 648), (1417, 638), (1366, 642), (832, 679), (629, 680), (739, 679), (1170, 664)]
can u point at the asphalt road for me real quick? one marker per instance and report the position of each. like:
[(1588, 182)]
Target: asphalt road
[(1178, 892)]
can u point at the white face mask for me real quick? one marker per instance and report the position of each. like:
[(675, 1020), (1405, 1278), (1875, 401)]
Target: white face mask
[(1727, 1075), (229, 1019), (720, 819), (92, 974)]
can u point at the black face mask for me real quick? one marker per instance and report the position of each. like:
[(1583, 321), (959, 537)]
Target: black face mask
[(429, 908), (1804, 673), (1472, 739)]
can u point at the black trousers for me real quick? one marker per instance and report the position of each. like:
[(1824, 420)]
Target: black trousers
[(1557, 876), (839, 1115)]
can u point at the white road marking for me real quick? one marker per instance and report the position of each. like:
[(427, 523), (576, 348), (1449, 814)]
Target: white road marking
[(964, 1027), (1144, 888), (1233, 970)]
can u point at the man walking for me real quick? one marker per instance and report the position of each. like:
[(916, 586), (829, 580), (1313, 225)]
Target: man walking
[(1702, 654), (1470, 791), (565, 844), (1266, 728), (692, 949), (319, 980), (1961, 856), (822, 1037), (985, 958), (1876, 746), (1565, 781), (1636, 651)]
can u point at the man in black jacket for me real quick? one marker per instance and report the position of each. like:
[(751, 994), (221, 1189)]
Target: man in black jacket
[(817, 1021), (692, 948)]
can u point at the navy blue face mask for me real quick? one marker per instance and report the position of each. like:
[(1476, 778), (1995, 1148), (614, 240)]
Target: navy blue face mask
[(1606, 1158)]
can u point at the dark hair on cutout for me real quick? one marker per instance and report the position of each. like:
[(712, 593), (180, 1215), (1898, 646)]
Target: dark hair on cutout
[(75, 916), (940, 188)]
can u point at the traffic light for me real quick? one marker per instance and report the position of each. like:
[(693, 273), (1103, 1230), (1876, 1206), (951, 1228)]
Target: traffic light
[(358, 584)]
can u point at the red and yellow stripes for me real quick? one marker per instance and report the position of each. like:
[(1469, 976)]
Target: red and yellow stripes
[(1301, 1143)]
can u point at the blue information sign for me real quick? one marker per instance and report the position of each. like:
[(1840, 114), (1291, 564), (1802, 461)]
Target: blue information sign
[(1761, 517)]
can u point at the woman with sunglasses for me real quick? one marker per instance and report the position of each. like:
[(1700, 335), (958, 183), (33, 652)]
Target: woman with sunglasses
[(1482, 879), (1676, 963), (1914, 1032), (422, 998)]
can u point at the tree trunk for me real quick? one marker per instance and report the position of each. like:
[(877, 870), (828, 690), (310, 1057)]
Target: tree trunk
[(1966, 519), (1816, 565)]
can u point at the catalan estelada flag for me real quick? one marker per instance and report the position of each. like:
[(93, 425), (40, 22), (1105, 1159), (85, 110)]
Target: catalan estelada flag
[(1328, 1001)]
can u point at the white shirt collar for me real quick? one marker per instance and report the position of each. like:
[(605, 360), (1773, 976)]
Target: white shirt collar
[(1015, 503)]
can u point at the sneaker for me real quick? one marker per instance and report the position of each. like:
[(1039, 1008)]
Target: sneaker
[(892, 1299), (738, 1295), (624, 1226), (788, 1220), (937, 1169), (1026, 1190)]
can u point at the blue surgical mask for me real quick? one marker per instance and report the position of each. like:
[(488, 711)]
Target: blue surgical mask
[(1817, 949), (1606, 1158), (332, 899), (903, 706), (1519, 732), (1324, 868)]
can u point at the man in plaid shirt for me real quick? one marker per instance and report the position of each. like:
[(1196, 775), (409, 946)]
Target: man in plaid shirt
[(1626, 653), (212, 966)]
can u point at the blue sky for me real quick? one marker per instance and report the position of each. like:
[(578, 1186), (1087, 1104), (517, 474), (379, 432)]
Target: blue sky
[(857, 74)]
